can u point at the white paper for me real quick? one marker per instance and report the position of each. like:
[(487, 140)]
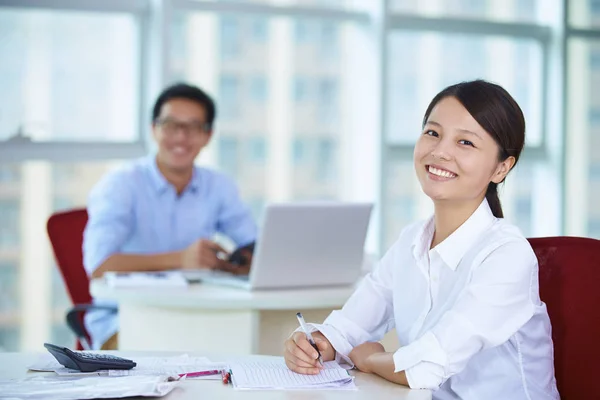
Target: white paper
[(274, 374), (49, 387), (145, 279), (172, 366)]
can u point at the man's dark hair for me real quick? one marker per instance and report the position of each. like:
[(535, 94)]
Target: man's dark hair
[(189, 92)]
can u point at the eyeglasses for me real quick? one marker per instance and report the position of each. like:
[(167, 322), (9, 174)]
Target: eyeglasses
[(171, 127)]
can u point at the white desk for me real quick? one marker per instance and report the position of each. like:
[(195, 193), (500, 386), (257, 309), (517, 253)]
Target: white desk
[(210, 318), (14, 366)]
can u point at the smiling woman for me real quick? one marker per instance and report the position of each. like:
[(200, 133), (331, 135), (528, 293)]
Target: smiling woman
[(460, 288), (473, 134)]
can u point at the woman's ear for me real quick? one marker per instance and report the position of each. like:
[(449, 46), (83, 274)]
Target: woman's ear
[(503, 169)]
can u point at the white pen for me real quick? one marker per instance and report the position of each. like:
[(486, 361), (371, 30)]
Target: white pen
[(309, 336)]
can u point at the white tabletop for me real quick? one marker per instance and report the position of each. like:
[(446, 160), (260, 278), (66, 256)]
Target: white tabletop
[(206, 296), (14, 365)]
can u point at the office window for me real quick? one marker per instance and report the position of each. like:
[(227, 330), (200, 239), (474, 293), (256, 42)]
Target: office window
[(328, 100), (25, 206), (258, 150), (584, 13), (55, 88), (303, 32), (300, 151), (421, 64), (495, 10), (268, 88), (326, 168), (260, 29), (230, 35), (9, 227), (229, 96), (301, 89), (583, 128), (259, 88), (229, 154)]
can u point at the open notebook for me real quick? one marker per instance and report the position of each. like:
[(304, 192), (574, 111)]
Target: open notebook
[(274, 374)]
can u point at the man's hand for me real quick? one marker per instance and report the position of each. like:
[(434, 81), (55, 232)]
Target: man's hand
[(239, 269), (361, 353), (203, 253)]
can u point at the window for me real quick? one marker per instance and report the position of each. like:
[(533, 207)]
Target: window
[(229, 154), (300, 89), (495, 10), (301, 148), (55, 88), (230, 37), (260, 30), (258, 88), (229, 96), (258, 150)]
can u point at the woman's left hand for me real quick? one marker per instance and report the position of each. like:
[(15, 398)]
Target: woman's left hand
[(361, 353)]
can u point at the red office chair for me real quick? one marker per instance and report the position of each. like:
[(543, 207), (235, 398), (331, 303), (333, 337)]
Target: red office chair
[(65, 230), (569, 278)]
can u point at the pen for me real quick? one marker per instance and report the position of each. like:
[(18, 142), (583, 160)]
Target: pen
[(200, 373), (309, 336)]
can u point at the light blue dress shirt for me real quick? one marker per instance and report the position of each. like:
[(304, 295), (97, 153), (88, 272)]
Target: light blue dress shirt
[(136, 210)]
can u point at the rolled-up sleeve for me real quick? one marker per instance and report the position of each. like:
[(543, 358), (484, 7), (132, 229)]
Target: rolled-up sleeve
[(235, 218), (110, 216), (497, 302)]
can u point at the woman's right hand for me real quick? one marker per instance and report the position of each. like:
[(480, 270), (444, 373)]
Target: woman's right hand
[(302, 358)]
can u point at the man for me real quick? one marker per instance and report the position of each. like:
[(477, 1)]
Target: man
[(160, 212)]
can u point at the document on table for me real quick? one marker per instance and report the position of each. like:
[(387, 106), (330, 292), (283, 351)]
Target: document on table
[(274, 374), (171, 366), (85, 387), (145, 279)]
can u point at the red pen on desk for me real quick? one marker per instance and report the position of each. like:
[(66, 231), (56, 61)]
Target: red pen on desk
[(200, 373), (226, 377)]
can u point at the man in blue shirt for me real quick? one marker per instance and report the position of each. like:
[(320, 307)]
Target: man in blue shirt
[(159, 212)]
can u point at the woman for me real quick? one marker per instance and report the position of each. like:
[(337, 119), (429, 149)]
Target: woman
[(461, 288)]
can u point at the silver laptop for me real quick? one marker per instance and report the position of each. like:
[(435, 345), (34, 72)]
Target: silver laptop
[(303, 245)]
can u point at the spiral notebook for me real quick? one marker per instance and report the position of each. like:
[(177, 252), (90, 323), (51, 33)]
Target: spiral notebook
[(273, 374)]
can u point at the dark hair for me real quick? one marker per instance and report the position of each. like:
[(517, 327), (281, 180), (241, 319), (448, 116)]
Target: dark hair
[(498, 113), (189, 92)]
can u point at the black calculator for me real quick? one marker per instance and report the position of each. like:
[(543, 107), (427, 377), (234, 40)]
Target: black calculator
[(87, 362)]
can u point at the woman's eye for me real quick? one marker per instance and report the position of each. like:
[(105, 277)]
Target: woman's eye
[(466, 143), (431, 133)]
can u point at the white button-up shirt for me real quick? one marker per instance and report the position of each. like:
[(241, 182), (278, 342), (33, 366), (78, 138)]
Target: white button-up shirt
[(468, 312)]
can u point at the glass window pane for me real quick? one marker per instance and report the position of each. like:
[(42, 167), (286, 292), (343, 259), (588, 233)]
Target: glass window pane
[(584, 13), (68, 76), (421, 64), (36, 189), (303, 3), (499, 10), (583, 138), (277, 109)]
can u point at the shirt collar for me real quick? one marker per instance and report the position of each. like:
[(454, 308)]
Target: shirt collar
[(161, 184), (460, 241)]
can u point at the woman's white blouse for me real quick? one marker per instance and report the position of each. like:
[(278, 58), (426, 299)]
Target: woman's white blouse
[(467, 312)]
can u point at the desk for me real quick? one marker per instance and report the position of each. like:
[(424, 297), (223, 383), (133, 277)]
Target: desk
[(209, 318), (14, 365)]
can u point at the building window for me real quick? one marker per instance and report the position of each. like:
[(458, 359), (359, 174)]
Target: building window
[(230, 37), (258, 88), (301, 148), (300, 89), (260, 30), (229, 94), (258, 150), (229, 154)]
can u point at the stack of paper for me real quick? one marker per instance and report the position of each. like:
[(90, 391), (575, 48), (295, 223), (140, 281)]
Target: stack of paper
[(145, 279), (274, 374), (170, 366), (86, 387)]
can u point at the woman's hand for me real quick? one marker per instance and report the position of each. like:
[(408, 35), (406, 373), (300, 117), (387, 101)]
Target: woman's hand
[(360, 355), (302, 358)]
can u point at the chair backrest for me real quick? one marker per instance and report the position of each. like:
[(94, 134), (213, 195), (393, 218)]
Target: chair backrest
[(569, 278), (65, 230)]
